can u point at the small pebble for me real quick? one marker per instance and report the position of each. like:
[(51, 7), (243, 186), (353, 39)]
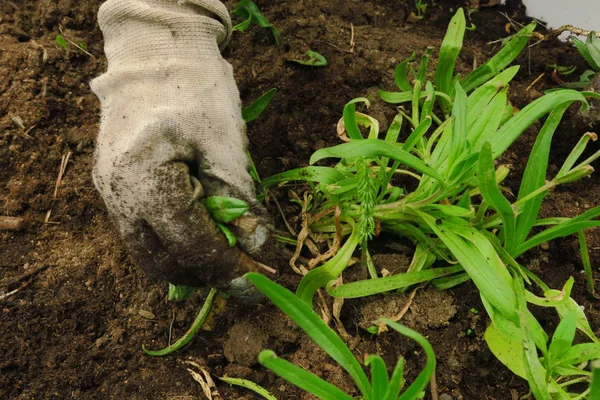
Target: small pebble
[(146, 314), (545, 246)]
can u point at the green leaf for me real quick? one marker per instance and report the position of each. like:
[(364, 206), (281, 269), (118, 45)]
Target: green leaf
[(459, 128), (534, 372), (312, 59), (62, 42), (595, 383), (248, 10), (563, 336), (451, 46), (180, 292), (486, 177), (419, 384), (396, 381), (585, 52), (580, 353), (500, 60), (571, 305), (189, 335), (535, 174), (481, 97), (585, 261), (225, 209), (379, 376), (593, 47), (325, 175), (329, 271), (486, 124), (251, 112), (231, 239), (350, 117), (301, 378), (417, 134), (576, 153), (311, 323), (568, 227), (249, 385), (487, 273), (507, 348), (374, 148), (400, 75), (528, 115), (370, 287)]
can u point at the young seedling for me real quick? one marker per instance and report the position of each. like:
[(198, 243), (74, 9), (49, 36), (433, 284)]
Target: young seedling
[(380, 387), (248, 10), (64, 42)]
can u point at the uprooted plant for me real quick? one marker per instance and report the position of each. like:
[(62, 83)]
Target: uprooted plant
[(462, 225)]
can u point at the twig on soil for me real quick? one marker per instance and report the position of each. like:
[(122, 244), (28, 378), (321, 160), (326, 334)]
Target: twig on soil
[(206, 382), (352, 42), (11, 223), (26, 276), (171, 327), (383, 327), (536, 80), (61, 171), (433, 386), (7, 295)]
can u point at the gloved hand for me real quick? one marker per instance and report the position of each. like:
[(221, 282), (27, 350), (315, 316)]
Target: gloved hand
[(171, 110)]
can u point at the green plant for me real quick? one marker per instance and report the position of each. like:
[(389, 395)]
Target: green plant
[(421, 7), (380, 387), (64, 42), (312, 59), (456, 213), (248, 10)]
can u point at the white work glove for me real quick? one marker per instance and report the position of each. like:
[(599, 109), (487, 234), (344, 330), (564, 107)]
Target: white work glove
[(171, 110)]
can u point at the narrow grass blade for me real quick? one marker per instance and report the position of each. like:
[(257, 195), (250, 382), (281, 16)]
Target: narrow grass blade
[(451, 46), (424, 63), (535, 174), (481, 97), (249, 385), (311, 323), (566, 228), (301, 378), (393, 131), (189, 335), (528, 115), (324, 175), (486, 125), (500, 60), (534, 372), (486, 177), (381, 285), (419, 384), (374, 148), (585, 260), (251, 112), (396, 381), (580, 353), (398, 97), (379, 376), (417, 134), (459, 129), (350, 117), (401, 76), (427, 108), (576, 153)]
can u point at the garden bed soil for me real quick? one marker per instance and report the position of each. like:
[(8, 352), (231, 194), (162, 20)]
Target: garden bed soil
[(75, 327)]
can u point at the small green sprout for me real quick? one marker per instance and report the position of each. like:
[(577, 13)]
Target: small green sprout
[(64, 42), (249, 385), (474, 311), (421, 7), (312, 59), (380, 387), (248, 10), (189, 335)]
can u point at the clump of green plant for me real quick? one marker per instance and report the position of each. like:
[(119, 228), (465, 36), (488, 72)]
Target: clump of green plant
[(461, 223), (590, 51), (252, 15), (66, 44), (380, 387), (421, 8)]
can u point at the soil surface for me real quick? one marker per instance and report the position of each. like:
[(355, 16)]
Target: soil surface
[(82, 310)]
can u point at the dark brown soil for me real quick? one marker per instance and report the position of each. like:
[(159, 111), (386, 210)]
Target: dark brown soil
[(75, 327)]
